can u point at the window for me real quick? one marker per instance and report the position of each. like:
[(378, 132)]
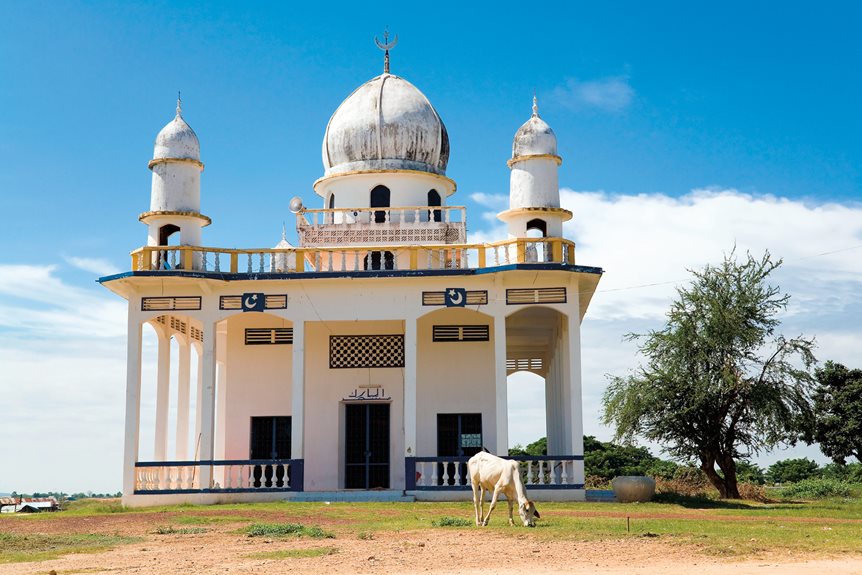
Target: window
[(458, 435), (379, 261), (352, 351), (268, 335), (442, 333), (270, 439), (434, 200), (380, 199)]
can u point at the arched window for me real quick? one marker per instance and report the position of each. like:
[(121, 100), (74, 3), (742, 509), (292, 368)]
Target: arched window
[(434, 200), (380, 199), (538, 224), (537, 251), (166, 232), (380, 261), (331, 201)]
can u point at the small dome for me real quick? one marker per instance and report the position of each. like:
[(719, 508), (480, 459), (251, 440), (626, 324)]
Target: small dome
[(177, 140), (386, 124), (535, 137)]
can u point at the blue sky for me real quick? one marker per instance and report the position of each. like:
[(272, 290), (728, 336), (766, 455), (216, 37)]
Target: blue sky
[(741, 116)]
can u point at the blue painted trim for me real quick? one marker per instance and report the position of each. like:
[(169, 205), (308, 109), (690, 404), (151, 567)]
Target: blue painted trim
[(469, 488), (356, 274), (238, 490), (464, 459), (218, 462)]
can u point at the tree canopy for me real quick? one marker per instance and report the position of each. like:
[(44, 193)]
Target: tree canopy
[(719, 383), (838, 412)]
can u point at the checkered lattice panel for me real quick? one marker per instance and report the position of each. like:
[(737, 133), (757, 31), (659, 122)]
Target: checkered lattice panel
[(351, 351)]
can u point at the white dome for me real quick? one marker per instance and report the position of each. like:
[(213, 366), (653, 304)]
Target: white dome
[(534, 138), (386, 124), (177, 140)]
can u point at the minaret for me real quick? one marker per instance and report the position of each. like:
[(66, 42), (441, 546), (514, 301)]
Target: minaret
[(175, 198), (534, 190)]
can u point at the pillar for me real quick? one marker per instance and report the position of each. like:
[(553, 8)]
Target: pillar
[(160, 450), (207, 405), (183, 392), (410, 353), (501, 400), (133, 402), (573, 385), (199, 395), (297, 386)]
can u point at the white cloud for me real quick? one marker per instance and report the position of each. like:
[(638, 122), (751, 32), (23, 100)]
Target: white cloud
[(610, 94), (496, 202), (98, 266)]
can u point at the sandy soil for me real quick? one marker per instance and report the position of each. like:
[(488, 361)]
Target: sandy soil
[(221, 550)]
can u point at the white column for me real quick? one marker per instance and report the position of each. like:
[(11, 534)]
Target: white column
[(133, 402), (196, 441), (160, 449), (573, 350), (501, 400), (183, 392), (410, 354), (297, 387), (207, 405)]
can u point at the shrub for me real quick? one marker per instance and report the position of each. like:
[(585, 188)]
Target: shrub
[(747, 472), (851, 472), (596, 482), (285, 529), (447, 521), (816, 489), (753, 492), (792, 470)]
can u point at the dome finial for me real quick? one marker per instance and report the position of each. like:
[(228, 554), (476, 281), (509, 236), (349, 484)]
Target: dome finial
[(179, 105), (535, 105), (386, 45), (283, 233)]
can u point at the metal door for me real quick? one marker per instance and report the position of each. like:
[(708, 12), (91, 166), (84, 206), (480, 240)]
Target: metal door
[(366, 446)]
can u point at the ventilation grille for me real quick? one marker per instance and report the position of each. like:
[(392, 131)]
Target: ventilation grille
[(179, 325), (351, 351), (170, 303), (232, 302), (524, 364), (196, 333), (539, 295), (460, 333), (268, 335), (477, 297)]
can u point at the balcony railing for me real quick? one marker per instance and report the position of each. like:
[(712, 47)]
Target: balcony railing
[(450, 473), (228, 476), (352, 226), (354, 258)]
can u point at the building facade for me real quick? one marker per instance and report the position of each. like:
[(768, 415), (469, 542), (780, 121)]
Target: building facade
[(372, 358)]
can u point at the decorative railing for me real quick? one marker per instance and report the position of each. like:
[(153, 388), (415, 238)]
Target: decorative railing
[(227, 476), (404, 215), (354, 258), (450, 473)]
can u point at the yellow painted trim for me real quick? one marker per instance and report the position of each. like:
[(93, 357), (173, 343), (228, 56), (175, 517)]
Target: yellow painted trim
[(566, 214), (449, 181), (517, 159), (146, 216), (157, 161)]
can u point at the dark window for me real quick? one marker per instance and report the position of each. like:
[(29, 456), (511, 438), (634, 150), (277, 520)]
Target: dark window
[(268, 335), (379, 261), (441, 333), (537, 224), (270, 439), (331, 201), (458, 435), (434, 200), (380, 199), (165, 233), (366, 446)]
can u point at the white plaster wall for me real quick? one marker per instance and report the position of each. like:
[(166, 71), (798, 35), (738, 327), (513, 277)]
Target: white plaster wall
[(517, 224), (325, 391), (534, 183), (453, 378), (176, 187), (405, 188), (190, 229), (258, 382)]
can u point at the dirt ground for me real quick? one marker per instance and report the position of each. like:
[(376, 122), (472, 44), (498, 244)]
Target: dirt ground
[(221, 550)]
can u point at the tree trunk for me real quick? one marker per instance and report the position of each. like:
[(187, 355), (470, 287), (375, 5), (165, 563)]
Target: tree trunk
[(707, 465), (728, 468)]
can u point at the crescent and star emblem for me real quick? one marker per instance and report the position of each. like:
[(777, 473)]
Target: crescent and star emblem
[(250, 301)]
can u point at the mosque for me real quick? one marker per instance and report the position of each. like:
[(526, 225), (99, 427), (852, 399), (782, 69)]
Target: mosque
[(371, 360)]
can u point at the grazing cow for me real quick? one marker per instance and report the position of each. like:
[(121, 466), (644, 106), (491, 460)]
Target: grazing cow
[(491, 473)]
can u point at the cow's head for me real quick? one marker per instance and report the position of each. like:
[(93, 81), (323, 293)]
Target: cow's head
[(528, 513)]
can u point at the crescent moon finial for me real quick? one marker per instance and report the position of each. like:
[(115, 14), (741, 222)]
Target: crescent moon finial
[(386, 45)]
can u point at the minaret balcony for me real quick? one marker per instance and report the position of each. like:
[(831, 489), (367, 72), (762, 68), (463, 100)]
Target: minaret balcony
[(385, 225), (354, 258)]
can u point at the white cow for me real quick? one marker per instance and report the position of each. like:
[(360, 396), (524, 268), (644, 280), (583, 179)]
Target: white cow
[(491, 473)]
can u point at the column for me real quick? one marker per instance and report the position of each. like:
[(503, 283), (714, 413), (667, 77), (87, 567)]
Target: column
[(297, 387), (183, 392), (410, 354), (199, 397), (133, 402), (501, 400), (160, 449), (573, 384), (207, 404)]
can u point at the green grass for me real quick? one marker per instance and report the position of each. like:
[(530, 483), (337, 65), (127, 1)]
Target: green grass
[(171, 530), (294, 553), (210, 519), (447, 521), (286, 529), (15, 548)]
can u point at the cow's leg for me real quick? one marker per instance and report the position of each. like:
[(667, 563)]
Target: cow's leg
[(477, 503), (493, 504), (511, 504)]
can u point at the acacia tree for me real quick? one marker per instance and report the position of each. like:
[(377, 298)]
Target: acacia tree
[(719, 383), (838, 412)]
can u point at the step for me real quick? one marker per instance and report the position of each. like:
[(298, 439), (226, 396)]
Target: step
[(383, 495)]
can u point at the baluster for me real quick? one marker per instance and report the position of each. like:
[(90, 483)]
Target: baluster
[(330, 261), (216, 259), (173, 256), (429, 259), (564, 476), (343, 261), (496, 255), (249, 262), (541, 477), (445, 473), (387, 216), (356, 261), (552, 476), (420, 480), (448, 215), (433, 474), (272, 262), (506, 253), (317, 261), (416, 216), (529, 473), (466, 260), (394, 261)]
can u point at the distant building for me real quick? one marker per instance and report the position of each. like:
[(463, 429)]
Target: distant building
[(372, 359), (28, 504)]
